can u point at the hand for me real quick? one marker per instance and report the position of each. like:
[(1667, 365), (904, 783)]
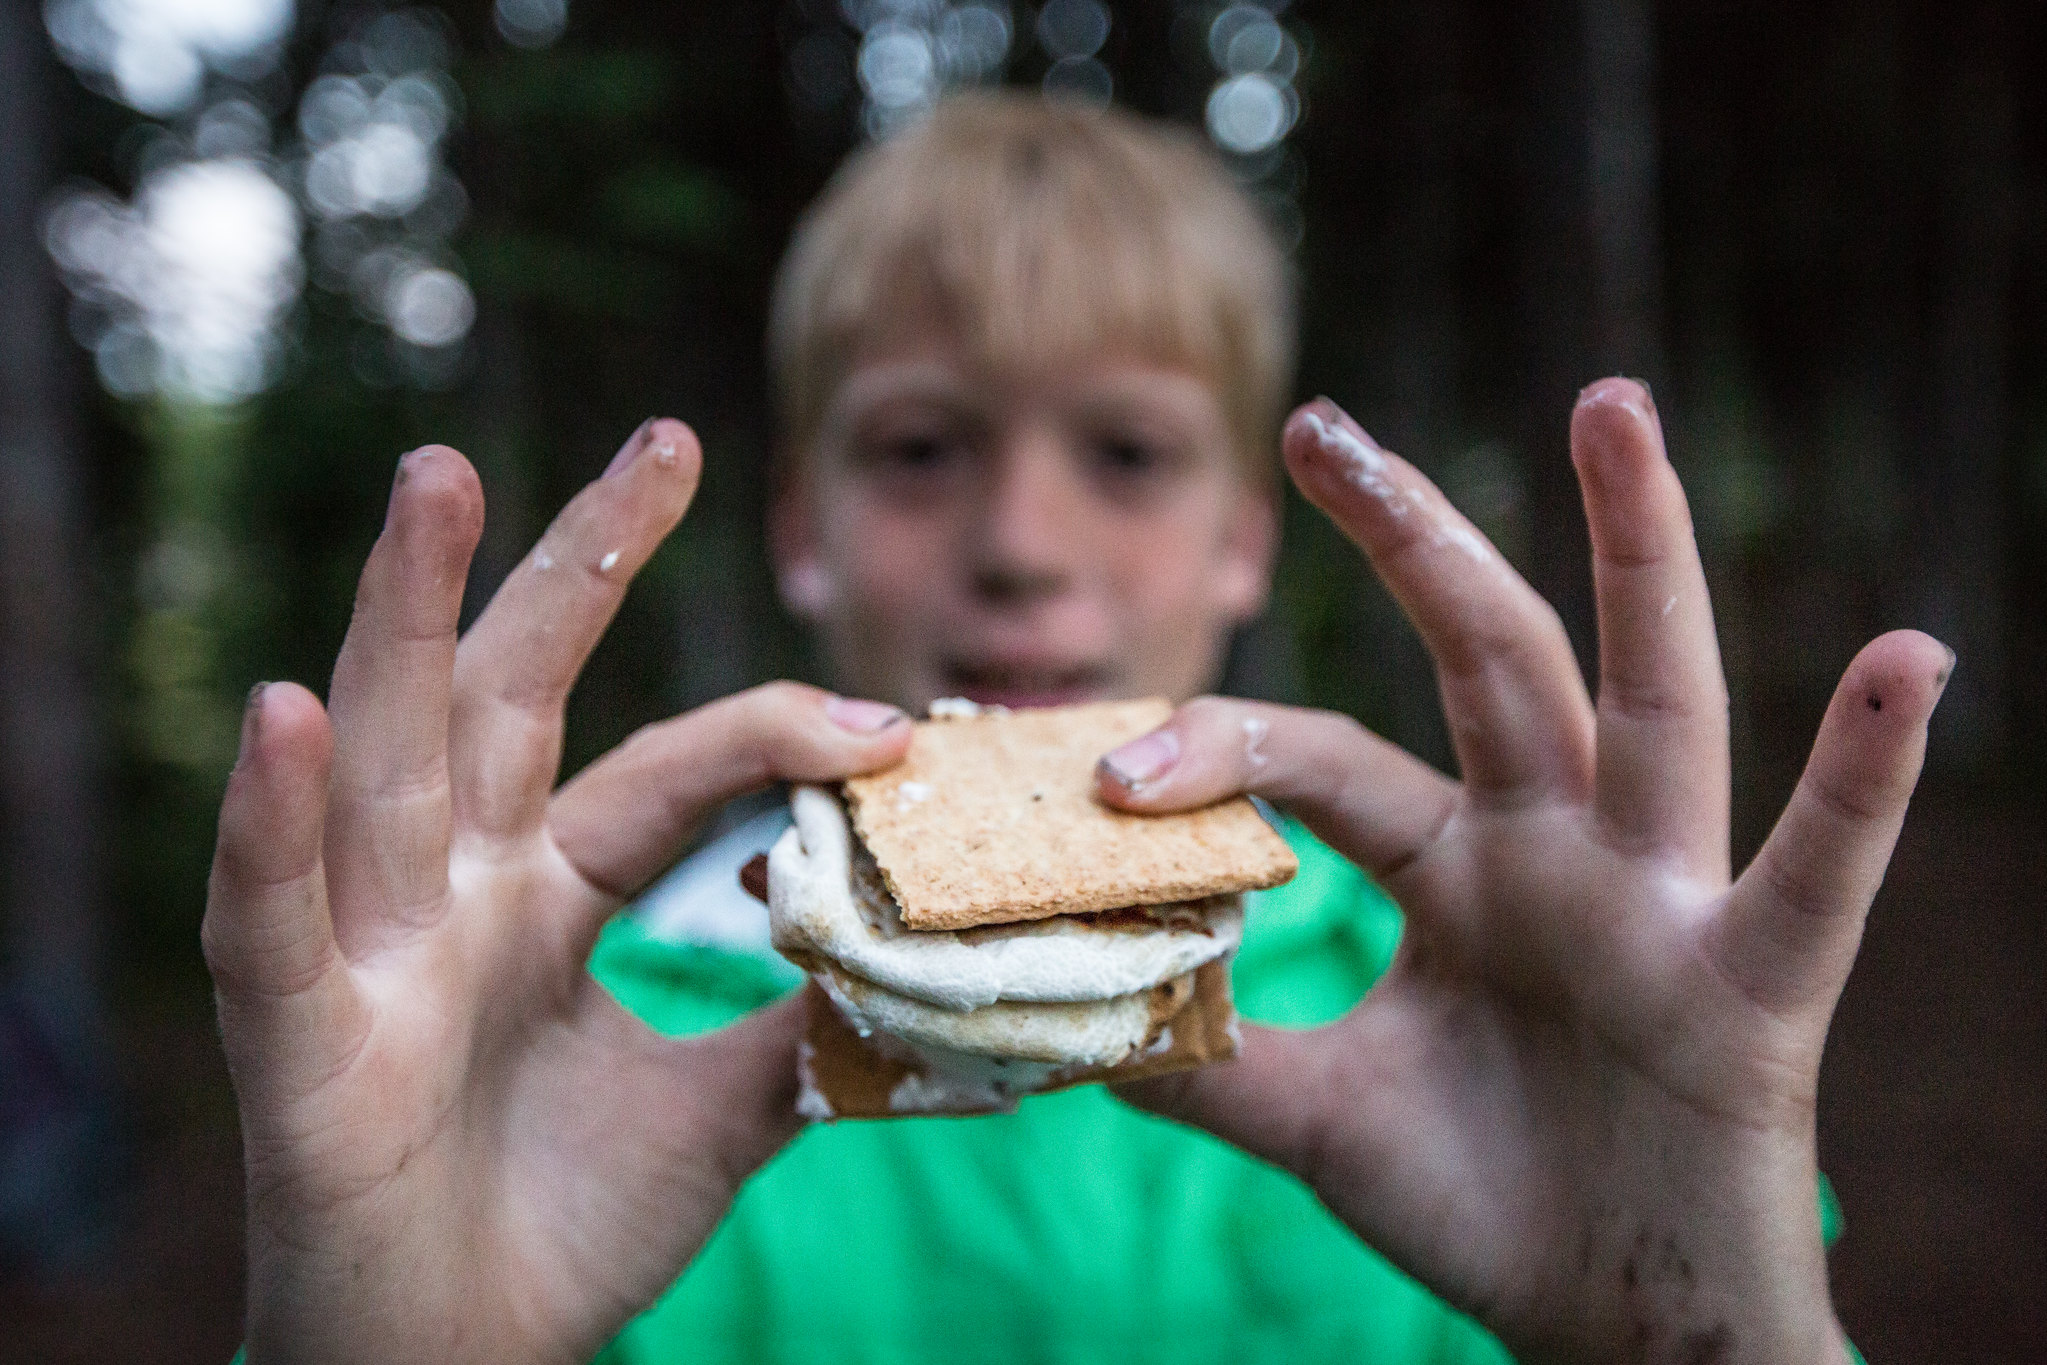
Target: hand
[(458, 1146), (1580, 1103)]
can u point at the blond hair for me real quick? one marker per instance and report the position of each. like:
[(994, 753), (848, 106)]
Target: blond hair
[(1041, 228)]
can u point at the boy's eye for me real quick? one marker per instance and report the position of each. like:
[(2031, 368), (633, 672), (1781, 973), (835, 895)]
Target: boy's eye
[(1133, 466), (917, 462), (917, 452), (1122, 456), (913, 452)]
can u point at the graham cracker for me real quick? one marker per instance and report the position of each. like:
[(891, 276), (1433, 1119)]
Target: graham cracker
[(856, 1079), (993, 819)]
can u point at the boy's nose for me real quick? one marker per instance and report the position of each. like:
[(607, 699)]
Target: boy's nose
[(1029, 529)]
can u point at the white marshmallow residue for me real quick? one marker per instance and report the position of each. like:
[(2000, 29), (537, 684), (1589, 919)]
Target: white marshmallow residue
[(1367, 470), (1364, 466), (609, 562), (912, 793), (542, 559), (936, 1092), (813, 912), (1256, 728), (810, 1101), (959, 708), (1464, 538), (1672, 602), (946, 1081)]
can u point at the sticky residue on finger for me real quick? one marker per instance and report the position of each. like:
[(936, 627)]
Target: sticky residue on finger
[(1367, 470), (1256, 728), (1464, 538), (1364, 466), (609, 562), (542, 560)]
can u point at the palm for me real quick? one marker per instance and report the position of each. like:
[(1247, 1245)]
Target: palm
[(458, 1145), (1580, 1103), (1554, 1005)]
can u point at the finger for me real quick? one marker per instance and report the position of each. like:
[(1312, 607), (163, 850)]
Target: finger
[(1519, 717), (387, 825), (1368, 799), (516, 665), (288, 1009), (1794, 920), (623, 820), (1662, 727)]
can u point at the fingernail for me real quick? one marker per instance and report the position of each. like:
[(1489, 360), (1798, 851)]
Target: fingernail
[(252, 709), (1143, 760), (1949, 671), (860, 716), (630, 449), (398, 479)]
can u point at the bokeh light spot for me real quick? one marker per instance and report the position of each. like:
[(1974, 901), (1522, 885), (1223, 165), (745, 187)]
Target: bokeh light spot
[(530, 23), (1082, 79), (1249, 113), (1073, 28)]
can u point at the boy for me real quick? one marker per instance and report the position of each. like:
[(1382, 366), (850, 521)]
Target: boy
[(1029, 363)]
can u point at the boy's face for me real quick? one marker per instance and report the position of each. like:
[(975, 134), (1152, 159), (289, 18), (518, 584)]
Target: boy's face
[(1024, 537)]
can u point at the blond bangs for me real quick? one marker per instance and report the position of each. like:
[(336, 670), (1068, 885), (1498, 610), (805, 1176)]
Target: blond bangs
[(1039, 231)]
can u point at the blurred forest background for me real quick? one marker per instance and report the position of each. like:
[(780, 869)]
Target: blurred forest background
[(250, 251)]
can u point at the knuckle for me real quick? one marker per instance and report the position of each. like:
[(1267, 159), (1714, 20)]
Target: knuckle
[(1849, 803), (782, 695), (776, 733), (1797, 890), (1645, 700)]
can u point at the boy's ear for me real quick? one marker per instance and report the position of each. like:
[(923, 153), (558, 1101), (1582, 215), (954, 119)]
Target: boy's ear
[(1244, 559), (802, 580)]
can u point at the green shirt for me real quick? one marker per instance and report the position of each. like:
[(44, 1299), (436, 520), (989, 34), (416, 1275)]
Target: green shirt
[(1076, 1229)]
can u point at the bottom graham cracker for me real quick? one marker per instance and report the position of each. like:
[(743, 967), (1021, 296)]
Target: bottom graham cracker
[(854, 1078)]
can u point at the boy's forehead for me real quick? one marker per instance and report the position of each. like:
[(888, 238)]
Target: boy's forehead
[(914, 318), (946, 372), (911, 347)]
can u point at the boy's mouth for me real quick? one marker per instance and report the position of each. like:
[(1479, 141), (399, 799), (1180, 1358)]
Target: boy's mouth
[(1022, 686)]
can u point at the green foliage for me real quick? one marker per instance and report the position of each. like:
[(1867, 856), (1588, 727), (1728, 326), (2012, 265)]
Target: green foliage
[(514, 265), (678, 206), (603, 91)]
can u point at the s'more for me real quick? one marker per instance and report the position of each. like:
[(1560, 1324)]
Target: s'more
[(977, 926)]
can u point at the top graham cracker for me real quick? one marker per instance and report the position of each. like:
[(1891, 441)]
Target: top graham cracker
[(992, 819)]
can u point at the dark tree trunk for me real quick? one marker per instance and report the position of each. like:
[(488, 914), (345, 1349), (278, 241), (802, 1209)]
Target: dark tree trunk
[(49, 803), (1590, 272), (1960, 547), (53, 1073), (1417, 356), (1554, 287), (500, 401), (1621, 152)]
